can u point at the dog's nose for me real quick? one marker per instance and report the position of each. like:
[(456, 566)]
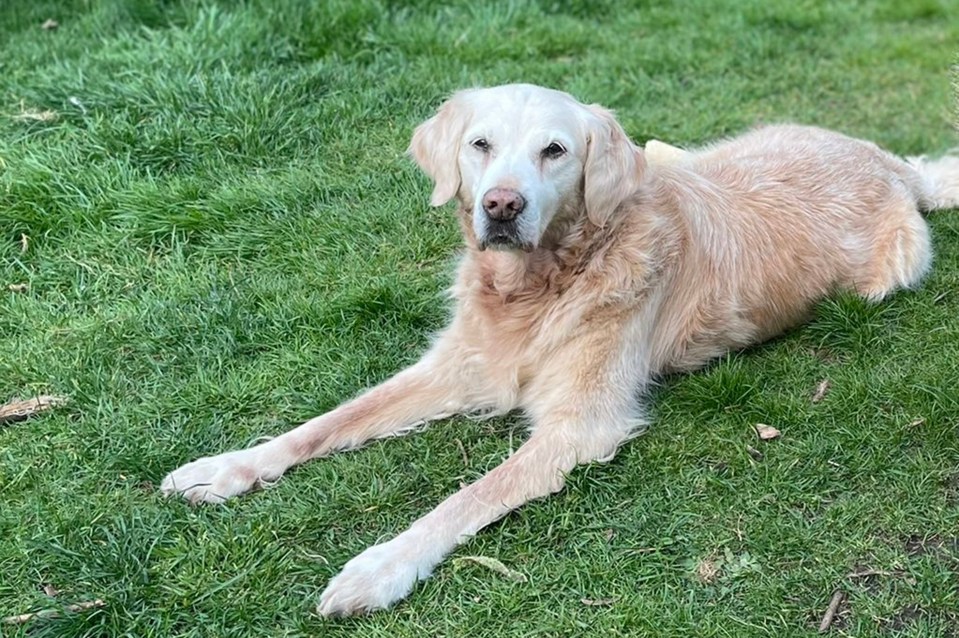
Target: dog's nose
[(503, 204)]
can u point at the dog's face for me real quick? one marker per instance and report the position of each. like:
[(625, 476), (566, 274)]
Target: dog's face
[(520, 156)]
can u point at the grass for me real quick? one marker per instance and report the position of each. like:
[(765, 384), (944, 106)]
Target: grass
[(223, 238)]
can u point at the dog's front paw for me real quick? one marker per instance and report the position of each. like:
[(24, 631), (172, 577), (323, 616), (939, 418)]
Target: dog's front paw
[(377, 578), (213, 479)]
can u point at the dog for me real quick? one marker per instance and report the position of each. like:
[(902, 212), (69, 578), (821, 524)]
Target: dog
[(588, 273)]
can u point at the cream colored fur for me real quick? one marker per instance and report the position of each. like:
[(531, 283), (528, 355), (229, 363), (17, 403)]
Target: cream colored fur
[(662, 154), (621, 270)]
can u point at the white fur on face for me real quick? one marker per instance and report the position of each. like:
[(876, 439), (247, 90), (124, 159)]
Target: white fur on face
[(505, 146), (481, 139)]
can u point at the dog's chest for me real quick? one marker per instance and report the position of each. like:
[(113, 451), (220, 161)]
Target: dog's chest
[(520, 331), (517, 319)]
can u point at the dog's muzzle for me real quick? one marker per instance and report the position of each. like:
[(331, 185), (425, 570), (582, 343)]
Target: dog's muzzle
[(502, 207)]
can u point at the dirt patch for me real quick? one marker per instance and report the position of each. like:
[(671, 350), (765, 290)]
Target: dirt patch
[(903, 618), (951, 487), (825, 355), (917, 546), (900, 621)]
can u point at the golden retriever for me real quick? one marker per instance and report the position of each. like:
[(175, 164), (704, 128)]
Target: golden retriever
[(587, 273)]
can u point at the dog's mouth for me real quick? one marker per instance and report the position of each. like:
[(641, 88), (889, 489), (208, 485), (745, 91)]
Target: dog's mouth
[(504, 236)]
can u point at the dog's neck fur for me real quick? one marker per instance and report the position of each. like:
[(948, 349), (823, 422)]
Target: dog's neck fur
[(562, 255)]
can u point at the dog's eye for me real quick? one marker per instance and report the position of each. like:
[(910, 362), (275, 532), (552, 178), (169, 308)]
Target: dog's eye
[(553, 151), (481, 145)]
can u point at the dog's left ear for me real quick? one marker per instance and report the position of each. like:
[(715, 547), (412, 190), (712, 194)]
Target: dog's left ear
[(614, 165), (435, 147)]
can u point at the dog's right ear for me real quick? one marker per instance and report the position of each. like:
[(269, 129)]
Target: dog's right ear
[(435, 147)]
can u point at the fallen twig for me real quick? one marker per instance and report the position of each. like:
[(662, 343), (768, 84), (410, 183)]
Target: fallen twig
[(53, 613), (866, 573), (827, 619), (19, 409)]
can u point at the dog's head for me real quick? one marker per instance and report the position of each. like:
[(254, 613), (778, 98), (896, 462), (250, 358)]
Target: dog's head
[(520, 156)]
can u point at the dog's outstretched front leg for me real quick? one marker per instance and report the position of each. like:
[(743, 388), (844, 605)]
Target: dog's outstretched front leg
[(438, 385), (576, 426)]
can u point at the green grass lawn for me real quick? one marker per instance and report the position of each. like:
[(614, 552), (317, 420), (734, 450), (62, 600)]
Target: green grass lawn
[(221, 237)]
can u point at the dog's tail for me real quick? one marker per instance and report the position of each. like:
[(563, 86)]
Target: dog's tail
[(940, 181)]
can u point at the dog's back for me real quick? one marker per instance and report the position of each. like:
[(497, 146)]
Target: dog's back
[(777, 219)]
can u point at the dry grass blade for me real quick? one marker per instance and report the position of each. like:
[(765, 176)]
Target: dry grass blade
[(20, 409), (598, 602), (52, 613), (462, 449), (18, 287), (493, 564), (821, 391), (33, 115)]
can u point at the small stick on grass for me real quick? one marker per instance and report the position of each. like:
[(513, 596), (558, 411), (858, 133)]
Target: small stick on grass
[(18, 410), (53, 613), (866, 573), (827, 619)]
